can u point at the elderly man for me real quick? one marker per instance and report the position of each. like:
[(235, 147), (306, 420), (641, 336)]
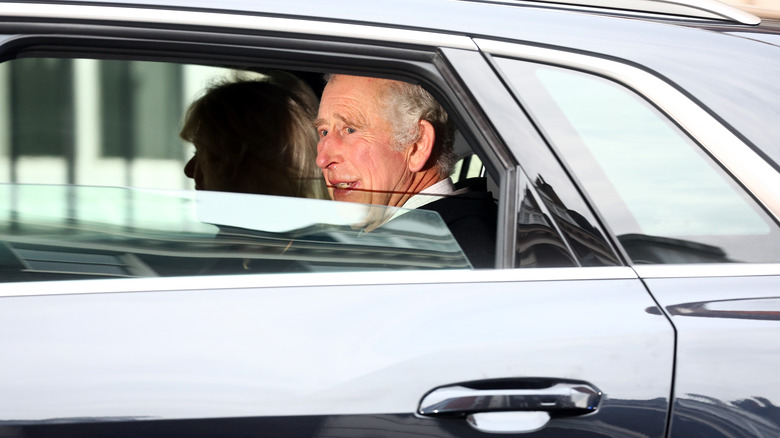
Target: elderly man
[(389, 143)]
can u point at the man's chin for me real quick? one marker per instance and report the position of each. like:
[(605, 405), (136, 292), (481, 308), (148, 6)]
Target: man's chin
[(349, 196)]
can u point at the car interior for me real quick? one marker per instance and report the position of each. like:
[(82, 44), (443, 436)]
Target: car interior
[(95, 186)]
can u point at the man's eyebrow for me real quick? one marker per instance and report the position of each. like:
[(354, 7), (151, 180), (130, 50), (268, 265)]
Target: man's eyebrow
[(359, 123), (320, 121)]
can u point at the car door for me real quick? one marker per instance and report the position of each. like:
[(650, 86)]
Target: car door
[(558, 340), (705, 247), (726, 317), (349, 352)]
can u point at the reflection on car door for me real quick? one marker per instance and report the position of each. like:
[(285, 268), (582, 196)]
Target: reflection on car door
[(727, 323), (327, 354)]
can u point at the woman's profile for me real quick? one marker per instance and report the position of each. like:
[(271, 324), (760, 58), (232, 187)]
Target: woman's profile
[(254, 136)]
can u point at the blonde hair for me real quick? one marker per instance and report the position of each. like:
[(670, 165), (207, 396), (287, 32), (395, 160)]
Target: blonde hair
[(257, 138)]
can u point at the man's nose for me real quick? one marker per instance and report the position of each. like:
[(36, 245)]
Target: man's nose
[(328, 151)]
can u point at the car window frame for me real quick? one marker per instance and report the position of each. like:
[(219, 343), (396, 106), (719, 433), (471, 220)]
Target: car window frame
[(717, 139), (400, 60), (661, 203), (726, 148), (537, 167)]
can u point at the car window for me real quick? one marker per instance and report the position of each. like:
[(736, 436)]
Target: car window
[(93, 184), (97, 122), (659, 192), (122, 232)]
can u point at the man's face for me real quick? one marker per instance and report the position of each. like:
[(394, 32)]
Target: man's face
[(355, 149)]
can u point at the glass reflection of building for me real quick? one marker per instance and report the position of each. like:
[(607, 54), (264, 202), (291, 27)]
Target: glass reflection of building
[(538, 241), (539, 244)]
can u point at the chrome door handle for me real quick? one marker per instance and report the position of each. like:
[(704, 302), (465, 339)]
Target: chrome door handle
[(546, 397)]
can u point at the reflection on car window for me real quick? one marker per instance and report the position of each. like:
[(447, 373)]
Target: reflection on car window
[(98, 122), (73, 123), (115, 232), (662, 196)]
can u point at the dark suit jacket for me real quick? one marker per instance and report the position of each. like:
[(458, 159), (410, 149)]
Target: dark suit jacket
[(471, 218)]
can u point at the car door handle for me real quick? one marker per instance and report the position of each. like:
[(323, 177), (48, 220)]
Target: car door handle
[(511, 405)]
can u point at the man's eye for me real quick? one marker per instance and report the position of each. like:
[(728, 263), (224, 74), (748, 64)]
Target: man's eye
[(351, 130), (323, 132)]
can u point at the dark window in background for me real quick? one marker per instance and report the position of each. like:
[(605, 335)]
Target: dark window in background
[(141, 104), (41, 107)]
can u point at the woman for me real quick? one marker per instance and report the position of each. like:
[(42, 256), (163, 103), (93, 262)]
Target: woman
[(254, 136)]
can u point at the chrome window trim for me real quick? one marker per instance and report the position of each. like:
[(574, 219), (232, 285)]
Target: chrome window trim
[(266, 281), (709, 9), (229, 20), (738, 158), (694, 15), (708, 270)]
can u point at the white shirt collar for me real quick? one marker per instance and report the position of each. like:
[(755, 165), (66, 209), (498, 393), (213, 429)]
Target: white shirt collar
[(430, 194)]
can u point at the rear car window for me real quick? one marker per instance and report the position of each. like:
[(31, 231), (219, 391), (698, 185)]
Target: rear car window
[(662, 196), (92, 184)]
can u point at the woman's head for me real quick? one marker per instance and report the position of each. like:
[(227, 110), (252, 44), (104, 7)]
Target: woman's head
[(253, 137)]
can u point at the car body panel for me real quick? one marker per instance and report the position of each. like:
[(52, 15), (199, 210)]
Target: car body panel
[(676, 351), (727, 322), (325, 350)]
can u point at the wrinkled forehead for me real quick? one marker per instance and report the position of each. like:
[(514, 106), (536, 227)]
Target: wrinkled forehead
[(353, 97), (366, 82), (355, 86)]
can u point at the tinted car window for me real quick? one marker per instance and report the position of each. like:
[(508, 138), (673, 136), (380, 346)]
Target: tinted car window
[(116, 232), (663, 197), (97, 122), (113, 124)]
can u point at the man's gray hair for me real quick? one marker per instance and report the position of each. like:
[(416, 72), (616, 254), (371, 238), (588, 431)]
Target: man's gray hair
[(405, 105)]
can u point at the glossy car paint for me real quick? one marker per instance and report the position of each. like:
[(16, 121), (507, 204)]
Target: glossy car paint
[(727, 322), (340, 350), (565, 329)]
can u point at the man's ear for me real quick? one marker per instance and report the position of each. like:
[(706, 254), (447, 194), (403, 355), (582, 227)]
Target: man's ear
[(420, 151)]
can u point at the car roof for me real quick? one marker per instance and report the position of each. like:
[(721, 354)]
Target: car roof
[(706, 9), (597, 29)]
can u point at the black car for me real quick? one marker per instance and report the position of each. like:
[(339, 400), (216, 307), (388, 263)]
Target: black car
[(631, 149)]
